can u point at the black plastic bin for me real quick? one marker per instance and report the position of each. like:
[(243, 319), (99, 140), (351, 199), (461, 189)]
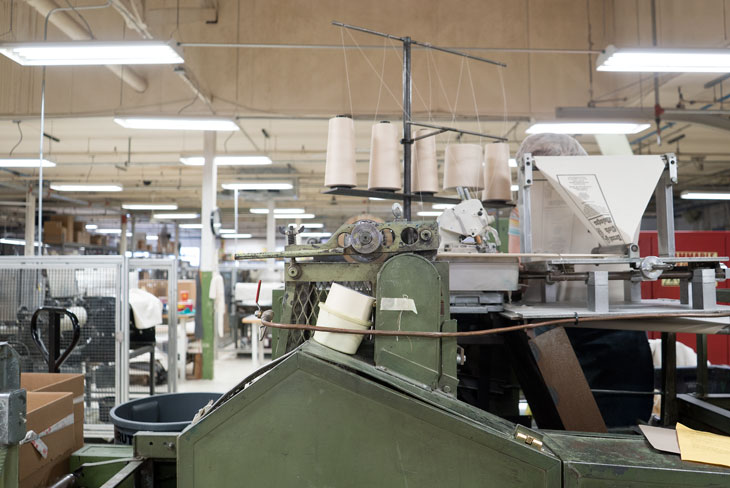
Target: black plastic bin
[(160, 413)]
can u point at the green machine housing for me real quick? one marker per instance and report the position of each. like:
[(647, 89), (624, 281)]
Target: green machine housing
[(389, 416)]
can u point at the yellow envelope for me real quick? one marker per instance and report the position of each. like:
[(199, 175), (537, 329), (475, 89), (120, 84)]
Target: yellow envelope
[(703, 447)]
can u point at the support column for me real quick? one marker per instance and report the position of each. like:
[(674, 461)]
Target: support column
[(29, 223), (123, 236), (270, 234), (208, 253)]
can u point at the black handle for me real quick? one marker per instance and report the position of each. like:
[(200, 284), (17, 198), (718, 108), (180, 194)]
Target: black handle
[(54, 358)]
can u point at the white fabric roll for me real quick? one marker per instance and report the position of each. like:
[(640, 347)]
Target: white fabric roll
[(463, 166), (340, 162), (497, 174), (424, 165), (385, 164), (79, 312)]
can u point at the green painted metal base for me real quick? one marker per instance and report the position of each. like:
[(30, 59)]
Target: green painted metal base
[(321, 418)]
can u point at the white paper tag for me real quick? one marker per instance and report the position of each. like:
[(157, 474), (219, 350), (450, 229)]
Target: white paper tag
[(398, 304)]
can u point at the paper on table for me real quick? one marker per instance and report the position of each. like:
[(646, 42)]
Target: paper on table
[(661, 438), (607, 193), (703, 447)]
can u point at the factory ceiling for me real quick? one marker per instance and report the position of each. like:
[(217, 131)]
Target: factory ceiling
[(280, 69)]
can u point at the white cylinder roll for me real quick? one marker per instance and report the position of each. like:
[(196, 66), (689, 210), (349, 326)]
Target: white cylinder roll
[(497, 174), (79, 312), (384, 158), (463, 166), (424, 165), (340, 163)]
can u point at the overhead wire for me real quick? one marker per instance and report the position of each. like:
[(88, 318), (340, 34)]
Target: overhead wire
[(19, 140)]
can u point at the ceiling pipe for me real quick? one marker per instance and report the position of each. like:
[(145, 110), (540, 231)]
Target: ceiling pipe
[(66, 24)]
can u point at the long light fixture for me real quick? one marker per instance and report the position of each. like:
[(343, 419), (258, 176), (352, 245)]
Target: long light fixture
[(91, 226), (14, 242), (175, 216), (663, 60), (191, 226), (442, 206), (227, 160), (109, 231), (277, 210), (177, 123), (293, 216), (261, 185), (586, 128), (227, 231), (83, 187), (315, 234), (512, 163), (428, 213), (514, 188), (151, 237), (236, 236), (24, 163), (87, 53), (705, 195), (313, 225), (149, 206)]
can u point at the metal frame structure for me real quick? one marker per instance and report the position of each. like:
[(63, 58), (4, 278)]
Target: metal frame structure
[(170, 266), (407, 141), (121, 318)]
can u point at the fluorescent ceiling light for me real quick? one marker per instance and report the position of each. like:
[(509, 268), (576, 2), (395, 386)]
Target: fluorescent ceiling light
[(705, 195), (78, 53), (586, 128), (149, 206), (262, 185), (293, 216), (427, 213), (174, 216), (514, 188), (84, 187), (512, 163), (236, 236), (442, 206), (277, 210), (91, 226), (313, 225), (663, 60), (24, 163), (177, 123), (315, 234), (150, 237), (227, 160), (375, 198), (227, 231), (191, 226), (109, 231)]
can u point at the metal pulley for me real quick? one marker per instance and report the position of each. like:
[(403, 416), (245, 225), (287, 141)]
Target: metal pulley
[(366, 238)]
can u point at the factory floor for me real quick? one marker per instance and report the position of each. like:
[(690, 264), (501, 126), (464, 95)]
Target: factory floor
[(228, 371)]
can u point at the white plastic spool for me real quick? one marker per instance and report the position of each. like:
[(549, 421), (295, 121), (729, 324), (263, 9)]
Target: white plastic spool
[(344, 309)]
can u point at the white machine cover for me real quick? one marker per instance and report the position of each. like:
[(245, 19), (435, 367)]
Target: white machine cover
[(146, 307)]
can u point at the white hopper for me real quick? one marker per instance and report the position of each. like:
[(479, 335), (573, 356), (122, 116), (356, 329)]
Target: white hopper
[(607, 193)]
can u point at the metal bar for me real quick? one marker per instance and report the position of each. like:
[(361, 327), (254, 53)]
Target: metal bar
[(407, 141), (353, 192), (524, 177), (123, 474), (459, 53), (54, 341), (368, 31), (665, 209), (460, 131), (259, 45), (702, 376), (598, 391), (430, 134), (669, 378), (695, 411)]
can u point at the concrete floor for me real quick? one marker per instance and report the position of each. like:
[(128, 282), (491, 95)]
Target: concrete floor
[(228, 371)]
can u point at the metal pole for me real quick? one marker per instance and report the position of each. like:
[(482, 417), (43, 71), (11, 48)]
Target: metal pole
[(29, 222), (407, 139)]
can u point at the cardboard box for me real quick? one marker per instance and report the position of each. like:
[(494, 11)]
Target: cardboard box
[(44, 411), (187, 286), (79, 226), (67, 221), (54, 233), (98, 240), (82, 237), (64, 383)]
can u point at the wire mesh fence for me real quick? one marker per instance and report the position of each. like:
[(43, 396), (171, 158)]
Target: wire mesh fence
[(91, 288)]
